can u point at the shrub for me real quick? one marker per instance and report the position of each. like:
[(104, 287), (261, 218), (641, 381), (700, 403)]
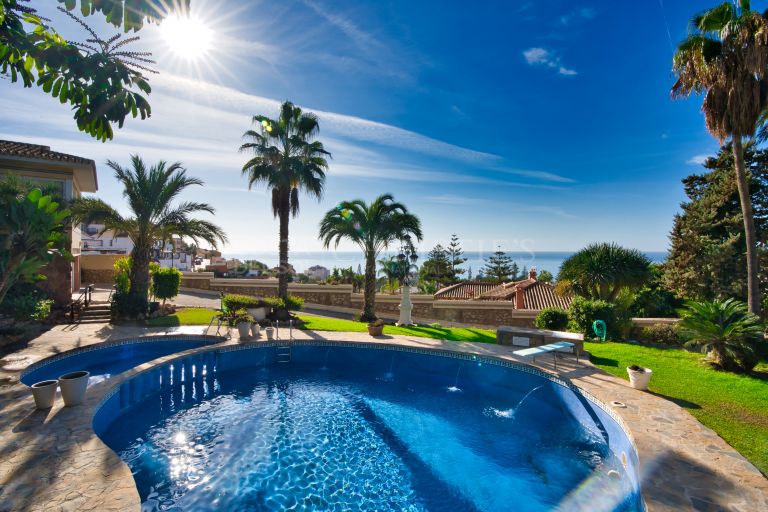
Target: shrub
[(553, 319), (129, 305), (294, 303), (666, 334), (726, 331), (233, 301), (42, 310), (26, 302), (122, 268), (166, 283), (583, 312)]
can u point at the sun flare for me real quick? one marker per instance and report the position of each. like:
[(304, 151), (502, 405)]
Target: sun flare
[(187, 36)]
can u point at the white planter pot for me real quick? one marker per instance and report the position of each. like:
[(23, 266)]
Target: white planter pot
[(270, 333), (640, 379), (244, 329), (73, 386), (258, 314), (255, 330), (44, 393)]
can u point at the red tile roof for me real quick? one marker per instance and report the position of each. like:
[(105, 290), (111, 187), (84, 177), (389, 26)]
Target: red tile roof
[(536, 295), (25, 150), (466, 290)]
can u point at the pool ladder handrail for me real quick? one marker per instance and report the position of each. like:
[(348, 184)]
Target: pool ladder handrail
[(283, 352)]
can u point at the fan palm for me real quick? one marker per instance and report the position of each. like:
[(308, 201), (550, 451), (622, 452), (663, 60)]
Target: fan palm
[(287, 160), (602, 271), (725, 330), (372, 227), (149, 192), (390, 269), (725, 58)]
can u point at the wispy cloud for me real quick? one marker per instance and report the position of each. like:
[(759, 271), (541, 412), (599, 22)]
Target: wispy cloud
[(577, 15), (542, 57), (541, 175), (697, 159), (452, 199)]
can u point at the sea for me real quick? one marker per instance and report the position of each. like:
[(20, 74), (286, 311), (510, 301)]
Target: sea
[(302, 260)]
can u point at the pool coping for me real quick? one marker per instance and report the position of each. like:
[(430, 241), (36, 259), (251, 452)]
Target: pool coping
[(102, 481)]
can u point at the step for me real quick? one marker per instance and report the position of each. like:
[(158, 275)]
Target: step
[(95, 313), (94, 321)]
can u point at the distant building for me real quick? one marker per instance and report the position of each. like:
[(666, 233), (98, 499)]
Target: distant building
[(525, 294), (70, 175), (318, 272), (108, 242)]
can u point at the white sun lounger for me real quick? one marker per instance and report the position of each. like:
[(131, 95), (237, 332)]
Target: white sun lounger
[(543, 349)]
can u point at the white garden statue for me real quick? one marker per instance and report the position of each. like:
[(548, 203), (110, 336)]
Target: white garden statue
[(406, 306)]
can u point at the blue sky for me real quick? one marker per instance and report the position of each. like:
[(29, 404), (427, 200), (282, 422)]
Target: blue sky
[(532, 125)]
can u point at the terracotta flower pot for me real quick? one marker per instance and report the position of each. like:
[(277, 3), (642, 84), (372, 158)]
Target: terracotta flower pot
[(44, 393), (73, 386), (375, 330)]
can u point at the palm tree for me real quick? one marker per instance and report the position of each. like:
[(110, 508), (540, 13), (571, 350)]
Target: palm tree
[(602, 271), (287, 160), (149, 192), (390, 269), (725, 58), (372, 227), (726, 331)]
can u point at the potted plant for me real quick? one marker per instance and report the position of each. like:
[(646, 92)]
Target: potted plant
[(73, 386), (376, 327), (255, 328), (44, 393), (270, 331), (639, 377), (242, 321)]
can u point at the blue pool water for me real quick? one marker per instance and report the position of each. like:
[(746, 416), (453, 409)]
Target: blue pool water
[(343, 428), (104, 361)]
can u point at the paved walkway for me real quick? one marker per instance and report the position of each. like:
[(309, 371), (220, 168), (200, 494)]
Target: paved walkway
[(52, 460)]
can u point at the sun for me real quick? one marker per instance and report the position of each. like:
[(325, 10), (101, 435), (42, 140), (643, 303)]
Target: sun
[(187, 36)]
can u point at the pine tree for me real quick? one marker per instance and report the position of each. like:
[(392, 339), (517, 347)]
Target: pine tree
[(437, 266), (455, 257), (499, 267)]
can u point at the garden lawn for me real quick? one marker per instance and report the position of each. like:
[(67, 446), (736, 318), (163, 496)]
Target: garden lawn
[(184, 316), (734, 406), (321, 323)]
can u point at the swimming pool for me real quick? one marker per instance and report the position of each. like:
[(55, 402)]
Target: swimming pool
[(106, 359), (363, 427)]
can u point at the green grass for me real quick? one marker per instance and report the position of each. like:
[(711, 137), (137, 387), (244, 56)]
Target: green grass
[(184, 316), (318, 323), (734, 406)]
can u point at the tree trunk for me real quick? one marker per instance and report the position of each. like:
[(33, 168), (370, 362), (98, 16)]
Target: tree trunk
[(369, 306), (139, 274), (750, 237), (282, 274)]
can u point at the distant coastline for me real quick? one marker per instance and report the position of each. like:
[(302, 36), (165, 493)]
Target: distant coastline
[(302, 260)]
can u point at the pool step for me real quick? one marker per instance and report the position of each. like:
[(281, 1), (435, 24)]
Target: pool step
[(284, 354)]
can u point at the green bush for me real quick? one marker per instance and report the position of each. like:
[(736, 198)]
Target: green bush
[(553, 319), (232, 302), (294, 303), (583, 312), (26, 302), (666, 334), (166, 283), (129, 305), (122, 268)]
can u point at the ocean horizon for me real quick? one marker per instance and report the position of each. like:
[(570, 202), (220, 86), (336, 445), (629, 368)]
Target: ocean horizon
[(302, 260)]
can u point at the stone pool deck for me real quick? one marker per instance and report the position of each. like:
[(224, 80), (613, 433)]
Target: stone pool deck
[(52, 460)]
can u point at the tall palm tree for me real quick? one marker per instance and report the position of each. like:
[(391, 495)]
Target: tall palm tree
[(372, 227), (602, 271), (725, 58), (287, 159), (149, 192)]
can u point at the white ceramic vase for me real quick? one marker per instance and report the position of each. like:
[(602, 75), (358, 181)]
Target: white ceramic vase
[(639, 379), (44, 392), (255, 330), (270, 333), (244, 329), (73, 386)]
